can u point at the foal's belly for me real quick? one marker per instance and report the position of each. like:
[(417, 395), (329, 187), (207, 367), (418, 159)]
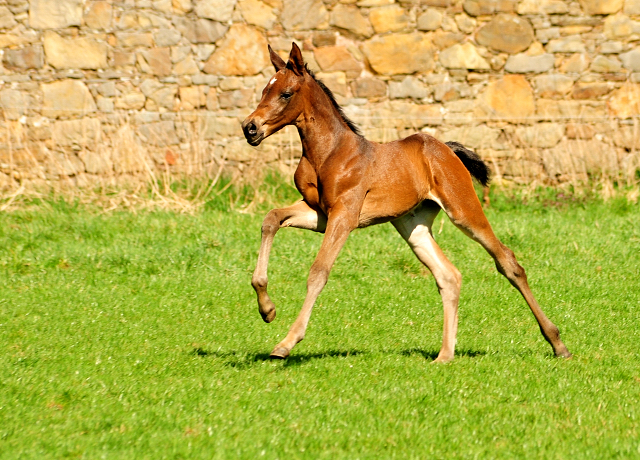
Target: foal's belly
[(399, 180), (384, 207)]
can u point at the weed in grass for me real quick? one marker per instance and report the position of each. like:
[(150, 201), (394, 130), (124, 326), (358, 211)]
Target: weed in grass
[(137, 336)]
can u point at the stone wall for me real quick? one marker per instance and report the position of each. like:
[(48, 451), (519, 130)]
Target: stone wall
[(542, 89)]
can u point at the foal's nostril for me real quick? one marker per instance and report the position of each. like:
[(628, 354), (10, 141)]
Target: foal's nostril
[(252, 129)]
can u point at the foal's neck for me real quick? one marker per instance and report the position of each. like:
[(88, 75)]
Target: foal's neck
[(322, 129)]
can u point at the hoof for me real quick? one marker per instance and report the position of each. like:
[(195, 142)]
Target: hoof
[(566, 354), (279, 353), (442, 360), (269, 316)]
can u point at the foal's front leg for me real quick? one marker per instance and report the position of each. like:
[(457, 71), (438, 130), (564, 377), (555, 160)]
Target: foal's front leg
[(299, 215), (340, 224)]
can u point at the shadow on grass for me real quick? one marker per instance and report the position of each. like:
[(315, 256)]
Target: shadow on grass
[(433, 354), (298, 359), (241, 359)]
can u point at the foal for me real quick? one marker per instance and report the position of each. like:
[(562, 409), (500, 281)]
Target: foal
[(348, 182)]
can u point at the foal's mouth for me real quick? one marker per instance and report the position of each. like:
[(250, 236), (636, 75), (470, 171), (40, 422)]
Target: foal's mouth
[(255, 141)]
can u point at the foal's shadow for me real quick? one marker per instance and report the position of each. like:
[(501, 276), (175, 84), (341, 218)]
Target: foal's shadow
[(302, 358), (430, 355), (239, 359)]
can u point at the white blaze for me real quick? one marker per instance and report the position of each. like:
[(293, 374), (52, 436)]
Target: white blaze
[(273, 80)]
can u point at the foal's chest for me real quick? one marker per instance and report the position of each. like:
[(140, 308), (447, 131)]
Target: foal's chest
[(306, 181)]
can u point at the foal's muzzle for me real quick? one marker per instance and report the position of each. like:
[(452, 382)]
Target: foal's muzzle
[(252, 132)]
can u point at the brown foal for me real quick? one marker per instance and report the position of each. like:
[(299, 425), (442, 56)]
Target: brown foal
[(348, 182)]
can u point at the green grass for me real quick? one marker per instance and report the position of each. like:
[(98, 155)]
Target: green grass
[(129, 335)]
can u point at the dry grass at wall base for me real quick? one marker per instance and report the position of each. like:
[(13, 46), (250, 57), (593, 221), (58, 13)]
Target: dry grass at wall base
[(125, 165), (257, 190), (123, 171)]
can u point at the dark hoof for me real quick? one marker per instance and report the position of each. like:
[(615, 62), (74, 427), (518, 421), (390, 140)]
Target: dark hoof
[(279, 353), (269, 316)]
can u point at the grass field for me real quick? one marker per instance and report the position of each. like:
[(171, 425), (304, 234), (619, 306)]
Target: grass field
[(128, 335)]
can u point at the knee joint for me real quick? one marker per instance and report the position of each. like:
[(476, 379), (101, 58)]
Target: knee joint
[(259, 282), (269, 227), (270, 223)]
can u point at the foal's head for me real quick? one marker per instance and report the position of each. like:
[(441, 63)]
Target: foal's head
[(282, 99)]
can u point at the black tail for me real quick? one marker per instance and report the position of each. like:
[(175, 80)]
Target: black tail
[(478, 168)]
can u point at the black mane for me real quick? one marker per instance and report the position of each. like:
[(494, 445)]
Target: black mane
[(352, 126)]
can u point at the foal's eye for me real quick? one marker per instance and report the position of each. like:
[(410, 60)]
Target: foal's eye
[(286, 95)]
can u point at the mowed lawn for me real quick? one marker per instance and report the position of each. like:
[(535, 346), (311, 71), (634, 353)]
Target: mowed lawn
[(137, 335)]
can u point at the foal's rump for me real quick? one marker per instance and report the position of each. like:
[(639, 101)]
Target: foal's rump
[(437, 152), (472, 161), (450, 170)]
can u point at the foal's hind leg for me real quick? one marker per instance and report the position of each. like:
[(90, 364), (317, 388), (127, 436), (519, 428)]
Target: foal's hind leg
[(415, 228), (465, 211), (299, 215)]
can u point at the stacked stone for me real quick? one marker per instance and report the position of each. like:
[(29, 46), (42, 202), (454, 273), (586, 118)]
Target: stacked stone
[(542, 89)]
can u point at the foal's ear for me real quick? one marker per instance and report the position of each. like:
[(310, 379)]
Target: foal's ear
[(276, 60), (296, 63)]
